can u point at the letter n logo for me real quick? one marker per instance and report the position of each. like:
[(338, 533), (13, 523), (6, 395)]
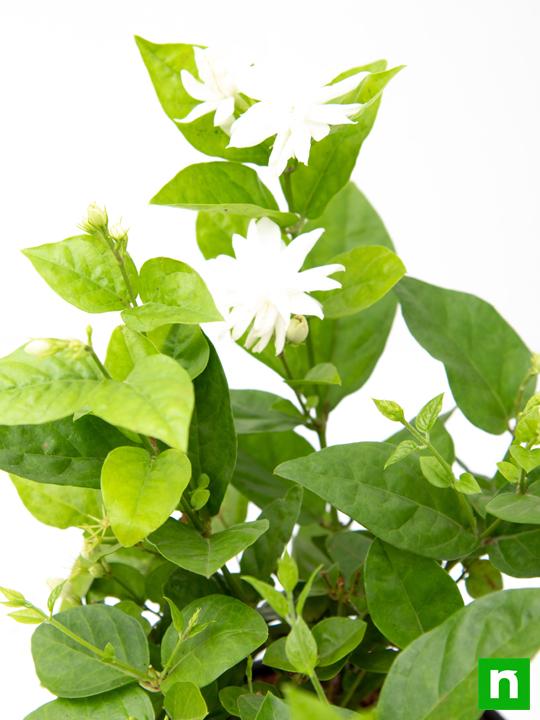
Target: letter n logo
[(504, 684)]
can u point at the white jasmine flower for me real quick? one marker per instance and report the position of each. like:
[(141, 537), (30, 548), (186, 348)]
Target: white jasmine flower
[(216, 89), (263, 285), (295, 113)]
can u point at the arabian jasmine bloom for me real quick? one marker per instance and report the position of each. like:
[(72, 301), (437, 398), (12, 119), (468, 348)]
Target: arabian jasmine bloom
[(40, 347), (295, 113), (263, 285), (216, 88)]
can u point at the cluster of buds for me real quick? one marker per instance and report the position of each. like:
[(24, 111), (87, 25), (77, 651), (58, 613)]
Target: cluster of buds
[(45, 347), (97, 223)]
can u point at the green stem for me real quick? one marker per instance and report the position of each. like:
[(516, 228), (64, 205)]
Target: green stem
[(233, 584), (120, 259), (192, 515), (100, 365), (490, 528), (318, 688), (353, 688), (295, 391)]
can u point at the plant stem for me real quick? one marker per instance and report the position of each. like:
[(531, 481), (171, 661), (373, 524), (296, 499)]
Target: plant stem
[(318, 688), (192, 515), (489, 530), (120, 259), (353, 688)]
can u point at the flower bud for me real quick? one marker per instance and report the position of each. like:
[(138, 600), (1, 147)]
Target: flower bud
[(40, 347), (96, 217), (298, 329)]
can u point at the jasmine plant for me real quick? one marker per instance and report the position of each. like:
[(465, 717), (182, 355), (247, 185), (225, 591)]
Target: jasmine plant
[(340, 598)]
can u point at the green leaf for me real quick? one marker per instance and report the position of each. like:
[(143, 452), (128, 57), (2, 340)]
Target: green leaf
[(232, 632), (270, 595), (435, 473), (348, 549), (416, 517), (257, 411), (261, 558), (186, 344), (185, 547), (321, 374), (35, 390), (124, 704), (301, 648), (126, 347), (85, 273), (439, 437), (407, 594), (306, 705), (272, 708), (482, 579), (215, 231), (429, 414), (182, 587), (222, 187), (184, 701), (310, 188), (70, 670), (151, 316), (370, 273), (517, 508), (57, 505), (437, 675), (156, 399), (164, 63), (336, 637), (169, 282), (516, 550), (258, 455), (141, 491), (467, 484), (526, 458), (403, 450), (211, 452), (287, 572), (27, 616), (62, 452), (390, 409), (469, 336), (509, 471)]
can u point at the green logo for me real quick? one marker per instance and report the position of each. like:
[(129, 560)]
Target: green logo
[(504, 684)]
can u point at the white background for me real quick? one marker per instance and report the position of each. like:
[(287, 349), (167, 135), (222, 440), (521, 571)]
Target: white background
[(452, 165)]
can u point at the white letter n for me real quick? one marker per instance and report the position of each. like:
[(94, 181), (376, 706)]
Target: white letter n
[(495, 677)]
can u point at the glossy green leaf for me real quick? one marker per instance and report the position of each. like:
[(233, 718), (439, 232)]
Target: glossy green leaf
[(182, 587), (164, 63), (151, 316), (428, 415), (469, 336), (123, 704), (416, 517), (85, 273), (515, 550), (348, 549), (336, 637), (258, 455), (301, 648), (172, 283), (186, 548), (35, 390), (467, 484), (215, 231), (321, 374), (261, 558), (370, 273), (310, 188), (407, 594), (517, 508), (156, 399), (435, 473), (212, 438), (57, 505), (126, 347), (232, 632), (70, 670), (436, 676), (222, 187), (306, 705), (482, 579), (258, 411), (184, 701), (272, 708), (62, 452), (272, 596), (141, 491), (186, 344), (403, 450)]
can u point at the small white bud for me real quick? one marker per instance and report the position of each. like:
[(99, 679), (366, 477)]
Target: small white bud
[(118, 232), (298, 329), (40, 348), (96, 216)]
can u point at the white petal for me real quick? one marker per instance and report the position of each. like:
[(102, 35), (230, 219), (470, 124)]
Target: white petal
[(240, 319), (334, 114), (282, 151), (270, 234), (319, 131), (302, 304), (194, 87), (224, 112), (198, 111), (315, 279), (299, 248), (301, 142), (253, 127), (263, 342), (281, 334), (329, 92)]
